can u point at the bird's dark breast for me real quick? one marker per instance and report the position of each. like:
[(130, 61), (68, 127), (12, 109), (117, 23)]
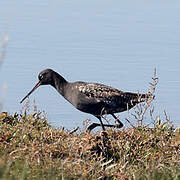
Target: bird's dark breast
[(101, 108), (92, 108)]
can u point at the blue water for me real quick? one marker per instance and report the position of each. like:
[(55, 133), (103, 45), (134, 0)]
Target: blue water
[(111, 42)]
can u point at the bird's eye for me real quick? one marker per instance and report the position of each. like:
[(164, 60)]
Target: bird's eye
[(40, 77)]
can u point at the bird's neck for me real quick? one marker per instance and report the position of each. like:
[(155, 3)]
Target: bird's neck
[(59, 83)]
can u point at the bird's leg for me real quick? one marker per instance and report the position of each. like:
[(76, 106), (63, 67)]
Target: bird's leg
[(120, 125), (102, 125), (94, 125)]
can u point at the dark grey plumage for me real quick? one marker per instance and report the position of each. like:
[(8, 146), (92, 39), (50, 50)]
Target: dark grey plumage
[(96, 99)]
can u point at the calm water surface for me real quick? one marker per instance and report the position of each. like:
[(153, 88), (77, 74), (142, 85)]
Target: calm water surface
[(111, 42)]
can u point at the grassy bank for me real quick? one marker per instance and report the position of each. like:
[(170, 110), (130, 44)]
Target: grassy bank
[(32, 149)]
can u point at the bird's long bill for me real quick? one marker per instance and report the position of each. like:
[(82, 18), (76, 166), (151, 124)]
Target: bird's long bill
[(34, 88)]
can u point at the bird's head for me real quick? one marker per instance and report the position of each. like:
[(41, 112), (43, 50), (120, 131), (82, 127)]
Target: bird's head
[(45, 77)]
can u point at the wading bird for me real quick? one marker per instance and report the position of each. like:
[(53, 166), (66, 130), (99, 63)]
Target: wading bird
[(93, 98)]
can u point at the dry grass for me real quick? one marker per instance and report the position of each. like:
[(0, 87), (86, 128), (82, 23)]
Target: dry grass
[(31, 149)]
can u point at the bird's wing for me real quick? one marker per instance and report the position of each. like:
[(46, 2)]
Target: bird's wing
[(113, 100), (108, 94), (98, 91)]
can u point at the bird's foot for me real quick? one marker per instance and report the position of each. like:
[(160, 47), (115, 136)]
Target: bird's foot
[(94, 125)]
